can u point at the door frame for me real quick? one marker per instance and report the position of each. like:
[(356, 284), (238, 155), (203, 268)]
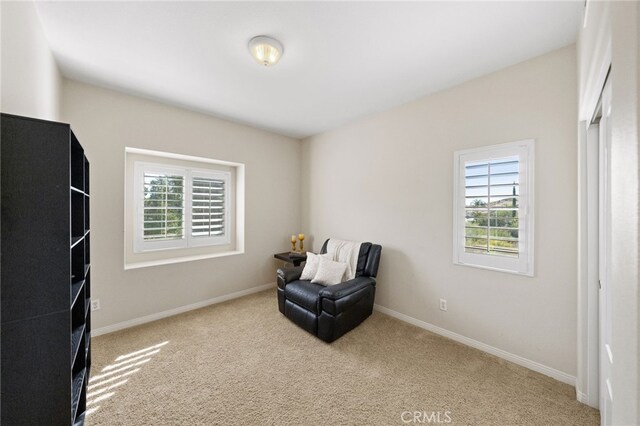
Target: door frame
[(604, 273), (588, 371)]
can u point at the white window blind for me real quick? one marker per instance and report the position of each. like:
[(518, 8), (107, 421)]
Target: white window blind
[(179, 207), (208, 207), (493, 207)]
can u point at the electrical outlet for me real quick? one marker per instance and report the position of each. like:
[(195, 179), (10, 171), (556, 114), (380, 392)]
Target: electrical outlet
[(95, 304), (443, 304)]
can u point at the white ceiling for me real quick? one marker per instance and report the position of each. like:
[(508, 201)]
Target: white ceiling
[(342, 60)]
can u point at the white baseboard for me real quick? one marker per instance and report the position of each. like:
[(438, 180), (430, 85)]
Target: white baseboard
[(582, 397), (516, 359), (179, 310)]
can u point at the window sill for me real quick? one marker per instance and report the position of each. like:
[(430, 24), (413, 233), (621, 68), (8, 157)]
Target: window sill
[(137, 265), (495, 269)]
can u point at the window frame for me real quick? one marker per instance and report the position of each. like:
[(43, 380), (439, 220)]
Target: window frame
[(524, 263), (140, 245)]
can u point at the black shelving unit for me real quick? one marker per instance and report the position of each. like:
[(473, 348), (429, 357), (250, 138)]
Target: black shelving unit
[(46, 275)]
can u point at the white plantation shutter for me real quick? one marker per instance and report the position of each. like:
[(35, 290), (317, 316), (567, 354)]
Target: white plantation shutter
[(208, 207), (180, 207), (493, 207)]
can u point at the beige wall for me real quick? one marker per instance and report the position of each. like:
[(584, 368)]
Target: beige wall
[(389, 179), (30, 78), (106, 122)]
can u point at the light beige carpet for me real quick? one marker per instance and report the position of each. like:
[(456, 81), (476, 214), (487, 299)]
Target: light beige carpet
[(243, 363)]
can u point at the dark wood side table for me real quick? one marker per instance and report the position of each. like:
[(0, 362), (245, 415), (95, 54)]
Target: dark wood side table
[(296, 260)]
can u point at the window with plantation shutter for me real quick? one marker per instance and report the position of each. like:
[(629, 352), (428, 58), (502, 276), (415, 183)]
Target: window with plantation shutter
[(163, 206), (493, 207), (179, 207), (209, 208)]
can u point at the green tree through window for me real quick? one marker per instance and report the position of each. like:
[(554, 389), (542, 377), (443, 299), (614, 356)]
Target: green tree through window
[(163, 207)]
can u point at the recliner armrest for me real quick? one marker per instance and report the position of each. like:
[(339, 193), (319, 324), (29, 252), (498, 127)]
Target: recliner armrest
[(346, 288), (286, 275)]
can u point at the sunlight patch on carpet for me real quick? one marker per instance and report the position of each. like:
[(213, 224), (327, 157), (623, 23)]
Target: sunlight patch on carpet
[(103, 386)]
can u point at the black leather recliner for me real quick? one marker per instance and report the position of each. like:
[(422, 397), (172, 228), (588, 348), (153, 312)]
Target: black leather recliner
[(329, 312)]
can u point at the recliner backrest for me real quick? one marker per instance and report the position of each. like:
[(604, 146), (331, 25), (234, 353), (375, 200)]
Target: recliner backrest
[(368, 259)]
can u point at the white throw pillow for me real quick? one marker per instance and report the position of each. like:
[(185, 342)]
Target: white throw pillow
[(311, 266), (329, 272)]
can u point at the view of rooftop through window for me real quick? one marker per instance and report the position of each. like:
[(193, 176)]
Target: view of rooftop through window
[(491, 206)]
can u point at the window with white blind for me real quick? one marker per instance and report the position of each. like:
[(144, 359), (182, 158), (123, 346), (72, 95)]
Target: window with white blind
[(208, 206), (179, 207), (493, 207)]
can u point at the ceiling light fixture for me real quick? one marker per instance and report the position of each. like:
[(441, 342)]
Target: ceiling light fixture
[(266, 50)]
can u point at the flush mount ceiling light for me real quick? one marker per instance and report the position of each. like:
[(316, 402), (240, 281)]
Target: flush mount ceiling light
[(266, 50)]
